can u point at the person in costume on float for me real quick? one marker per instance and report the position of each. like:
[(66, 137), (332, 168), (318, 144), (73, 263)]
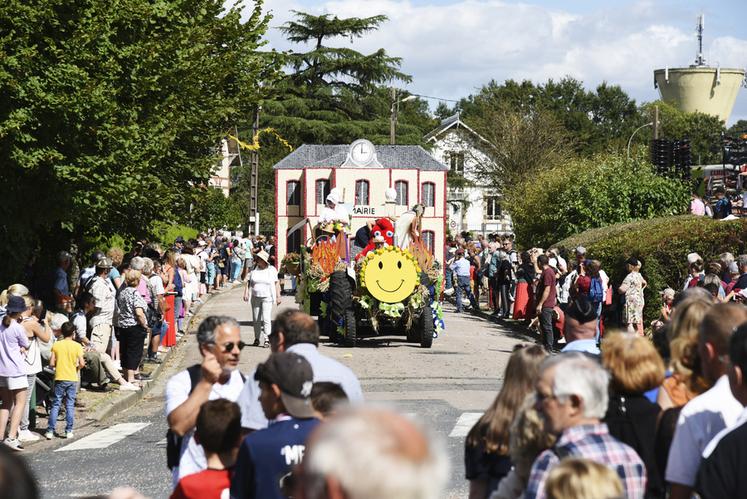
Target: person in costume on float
[(381, 233), (334, 211)]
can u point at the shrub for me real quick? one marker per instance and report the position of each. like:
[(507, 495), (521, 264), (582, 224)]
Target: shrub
[(662, 245), (587, 193), (166, 233)]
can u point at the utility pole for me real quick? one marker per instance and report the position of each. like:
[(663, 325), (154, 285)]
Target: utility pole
[(393, 117), (254, 178)]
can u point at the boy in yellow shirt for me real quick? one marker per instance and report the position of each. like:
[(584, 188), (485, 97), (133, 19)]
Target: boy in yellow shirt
[(67, 359)]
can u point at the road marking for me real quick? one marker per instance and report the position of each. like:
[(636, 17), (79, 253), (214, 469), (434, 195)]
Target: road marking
[(104, 438), (464, 424), (162, 443)]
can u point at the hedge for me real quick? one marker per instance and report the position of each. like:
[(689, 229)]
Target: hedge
[(662, 245)]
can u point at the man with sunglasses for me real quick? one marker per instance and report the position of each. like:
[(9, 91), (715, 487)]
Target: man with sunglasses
[(297, 332), (220, 344)]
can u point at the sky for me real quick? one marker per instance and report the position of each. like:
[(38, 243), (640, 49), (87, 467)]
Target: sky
[(453, 47)]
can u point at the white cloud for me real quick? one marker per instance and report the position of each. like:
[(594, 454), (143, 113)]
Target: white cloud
[(453, 49)]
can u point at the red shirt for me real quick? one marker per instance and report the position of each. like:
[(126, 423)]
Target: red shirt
[(208, 484), (547, 280)]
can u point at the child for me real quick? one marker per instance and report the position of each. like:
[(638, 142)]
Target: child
[(67, 359), (219, 432), (266, 456)]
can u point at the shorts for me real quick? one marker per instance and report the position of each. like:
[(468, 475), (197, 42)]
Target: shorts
[(14, 382)]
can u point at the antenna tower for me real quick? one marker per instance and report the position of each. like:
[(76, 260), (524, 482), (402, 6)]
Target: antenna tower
[(699, 59)]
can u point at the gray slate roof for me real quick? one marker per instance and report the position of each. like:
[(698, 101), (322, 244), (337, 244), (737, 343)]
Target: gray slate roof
[(333, 156)]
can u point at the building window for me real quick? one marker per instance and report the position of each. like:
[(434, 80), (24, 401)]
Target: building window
[(294, 242), (455, 160), (361, 192), (428, 195), (429, 239), (493, 208), (401, 187), (294, 193), (322, 190)]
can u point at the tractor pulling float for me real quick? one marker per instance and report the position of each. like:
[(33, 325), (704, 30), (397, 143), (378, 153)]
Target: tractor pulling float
[(386, 290)]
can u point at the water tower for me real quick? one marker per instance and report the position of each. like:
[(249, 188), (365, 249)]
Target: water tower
[(700, 87)]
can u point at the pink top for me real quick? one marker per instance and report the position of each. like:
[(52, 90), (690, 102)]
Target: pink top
[(697, 207), (12, 339)]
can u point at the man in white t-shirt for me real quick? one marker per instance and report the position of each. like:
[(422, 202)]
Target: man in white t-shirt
[(709, 413), (297, 332), (220, 344)]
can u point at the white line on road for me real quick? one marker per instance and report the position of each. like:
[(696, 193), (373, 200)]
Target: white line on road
[(464, 424), (104, 438)]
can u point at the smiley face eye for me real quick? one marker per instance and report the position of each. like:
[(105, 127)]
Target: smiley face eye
[(399, 264), (381, 265)]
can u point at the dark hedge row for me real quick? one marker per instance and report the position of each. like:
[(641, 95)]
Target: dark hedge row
[(662, 245)]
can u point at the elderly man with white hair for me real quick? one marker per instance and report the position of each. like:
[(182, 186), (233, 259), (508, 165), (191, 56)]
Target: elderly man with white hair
[(371, 453), (572, 397)]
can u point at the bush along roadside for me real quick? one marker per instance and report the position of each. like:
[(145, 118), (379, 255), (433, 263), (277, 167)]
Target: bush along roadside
[(662, 246)]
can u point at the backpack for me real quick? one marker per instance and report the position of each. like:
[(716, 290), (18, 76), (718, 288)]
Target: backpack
[(178, 285), (596, 290), (174, 441)]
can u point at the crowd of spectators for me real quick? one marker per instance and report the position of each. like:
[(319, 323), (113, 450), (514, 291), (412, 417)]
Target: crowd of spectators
[(94, 326)]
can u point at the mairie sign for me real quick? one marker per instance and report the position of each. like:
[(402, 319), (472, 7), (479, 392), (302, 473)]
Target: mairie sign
[(364, 210)]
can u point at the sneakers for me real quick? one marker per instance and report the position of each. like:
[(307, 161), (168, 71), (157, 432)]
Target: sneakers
[(13, 443), (449, 292), (27, 436), (49, 435), (69, 434), (128, 387)]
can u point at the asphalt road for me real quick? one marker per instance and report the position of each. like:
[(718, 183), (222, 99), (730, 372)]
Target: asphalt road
[(445, 388)]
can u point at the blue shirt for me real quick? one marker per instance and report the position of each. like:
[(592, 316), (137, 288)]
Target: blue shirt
[(461, 267), (266, 456), (325, 369), (60, 282), (586, 346)]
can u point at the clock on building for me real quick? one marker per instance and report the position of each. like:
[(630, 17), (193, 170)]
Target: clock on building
[(362, 152)]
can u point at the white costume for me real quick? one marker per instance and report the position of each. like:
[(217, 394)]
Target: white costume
[(336, 214)]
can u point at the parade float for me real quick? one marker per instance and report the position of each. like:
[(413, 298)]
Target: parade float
[(327, 196)]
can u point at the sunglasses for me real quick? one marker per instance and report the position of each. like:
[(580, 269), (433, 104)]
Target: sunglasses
[(228, 347)]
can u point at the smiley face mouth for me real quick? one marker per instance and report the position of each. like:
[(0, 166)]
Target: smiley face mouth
[(393, 290)]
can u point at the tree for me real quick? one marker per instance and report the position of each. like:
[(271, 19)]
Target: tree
[(586, 193), (515, 146), (332, 95), (738, 128), (110, 112), (597, 121)]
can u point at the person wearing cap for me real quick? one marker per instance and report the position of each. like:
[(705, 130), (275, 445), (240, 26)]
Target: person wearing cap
[(263, 286), (296, 331), (178, 244), (461, 269), (580, 253), (102, 319), (267, 455), (13, 380), (89, 272), (581, 327)]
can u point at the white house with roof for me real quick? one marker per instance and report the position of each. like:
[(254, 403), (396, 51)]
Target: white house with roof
[(474, 207), (361, 172)]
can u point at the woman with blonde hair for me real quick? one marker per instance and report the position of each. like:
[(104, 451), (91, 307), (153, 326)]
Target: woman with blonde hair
[(486, 455), (116, 255), (528, 439), (13, 290), (37, 331), (577, 478), (635, 367)]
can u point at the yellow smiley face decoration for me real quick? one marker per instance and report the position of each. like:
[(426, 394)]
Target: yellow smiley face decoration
[(389, 274)]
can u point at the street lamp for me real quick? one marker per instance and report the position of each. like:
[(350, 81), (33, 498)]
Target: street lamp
[(635, 132), (393, 114)]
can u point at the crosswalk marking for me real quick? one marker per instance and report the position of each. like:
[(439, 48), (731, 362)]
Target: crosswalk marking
[(465, 422), (105, 438)]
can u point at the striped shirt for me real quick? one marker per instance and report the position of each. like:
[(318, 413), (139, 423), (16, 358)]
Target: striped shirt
[(595, 443)]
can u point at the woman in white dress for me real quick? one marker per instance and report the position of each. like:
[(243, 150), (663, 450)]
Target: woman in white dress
[(263, 286)]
